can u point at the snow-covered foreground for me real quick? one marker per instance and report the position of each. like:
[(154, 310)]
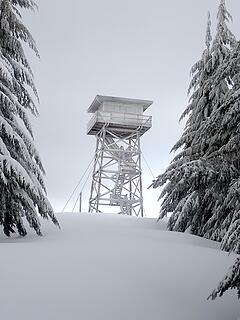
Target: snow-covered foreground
[(112, 268)]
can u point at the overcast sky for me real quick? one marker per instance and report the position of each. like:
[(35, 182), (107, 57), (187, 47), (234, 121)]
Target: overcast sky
[(130, 48)]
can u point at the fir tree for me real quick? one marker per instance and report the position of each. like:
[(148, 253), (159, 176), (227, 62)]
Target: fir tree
[(225, 151), (22, 189), (228, 217), (231, 281), (193, 182)]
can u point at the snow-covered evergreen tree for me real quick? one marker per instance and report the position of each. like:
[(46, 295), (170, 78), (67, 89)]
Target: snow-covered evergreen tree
[(226, 152), (194, 180), (228, 211), (22, 189), (206, 174), (231, 281)]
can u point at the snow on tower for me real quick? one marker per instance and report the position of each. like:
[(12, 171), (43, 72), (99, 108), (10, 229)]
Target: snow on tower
[(118, 124)]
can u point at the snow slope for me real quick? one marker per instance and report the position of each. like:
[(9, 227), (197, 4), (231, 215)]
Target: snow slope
[(109, 267)]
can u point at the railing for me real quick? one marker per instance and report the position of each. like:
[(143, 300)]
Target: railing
[(130, 119)]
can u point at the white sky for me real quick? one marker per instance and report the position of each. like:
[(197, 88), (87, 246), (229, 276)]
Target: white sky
[(130, 48)]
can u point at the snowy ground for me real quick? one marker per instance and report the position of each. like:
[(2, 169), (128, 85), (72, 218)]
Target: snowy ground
[(112, 268)]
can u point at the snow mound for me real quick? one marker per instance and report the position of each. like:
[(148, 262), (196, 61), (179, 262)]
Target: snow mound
[(107, 267)]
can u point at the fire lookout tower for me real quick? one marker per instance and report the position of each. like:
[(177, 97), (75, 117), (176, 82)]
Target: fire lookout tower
[(118, 124)]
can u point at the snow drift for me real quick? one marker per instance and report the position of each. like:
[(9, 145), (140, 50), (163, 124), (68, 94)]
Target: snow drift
[(113, 268)]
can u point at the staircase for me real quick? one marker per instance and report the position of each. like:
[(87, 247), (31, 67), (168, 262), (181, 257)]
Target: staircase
[(126, 168)]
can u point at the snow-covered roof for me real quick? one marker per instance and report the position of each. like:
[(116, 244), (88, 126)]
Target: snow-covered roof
[(100, 99)]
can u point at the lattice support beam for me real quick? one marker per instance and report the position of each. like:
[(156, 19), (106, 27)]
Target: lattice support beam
[(117, 173)]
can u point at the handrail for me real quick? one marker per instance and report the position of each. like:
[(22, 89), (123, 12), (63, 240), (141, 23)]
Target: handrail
[(121, 118)]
